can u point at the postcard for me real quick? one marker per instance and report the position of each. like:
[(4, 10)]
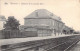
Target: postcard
[(39, 25)]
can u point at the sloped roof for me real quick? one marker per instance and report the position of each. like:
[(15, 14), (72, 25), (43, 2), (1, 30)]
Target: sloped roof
[(67, 28), (42, 13)]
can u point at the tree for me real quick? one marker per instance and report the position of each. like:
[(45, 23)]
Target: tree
[(12, 24)]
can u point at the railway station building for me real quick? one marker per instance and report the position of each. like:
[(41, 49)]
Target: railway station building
[(43, 22), (68, 30)]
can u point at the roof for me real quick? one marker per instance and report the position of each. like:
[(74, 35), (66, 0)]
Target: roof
[(42, 13), (68, 28)]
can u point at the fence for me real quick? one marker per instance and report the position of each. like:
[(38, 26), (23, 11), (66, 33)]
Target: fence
[(5, 34)]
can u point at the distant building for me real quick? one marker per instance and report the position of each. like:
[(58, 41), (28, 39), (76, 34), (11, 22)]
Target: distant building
[(2, 22), (43, 22), (68, 30)]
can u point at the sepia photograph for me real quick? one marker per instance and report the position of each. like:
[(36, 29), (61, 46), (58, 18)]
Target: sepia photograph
[(39, 25)]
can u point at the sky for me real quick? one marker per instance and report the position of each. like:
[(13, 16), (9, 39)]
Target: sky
[(68, 10)]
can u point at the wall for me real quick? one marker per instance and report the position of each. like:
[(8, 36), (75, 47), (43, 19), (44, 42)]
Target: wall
[(52, 23), (34, 22), (58, 26), (44, 32)]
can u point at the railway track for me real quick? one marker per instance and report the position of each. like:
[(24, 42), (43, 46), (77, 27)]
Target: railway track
[(68, 48), (63, 46)]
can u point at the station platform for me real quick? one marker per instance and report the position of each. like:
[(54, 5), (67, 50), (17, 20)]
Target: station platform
[(76, 47), (19, 40)]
